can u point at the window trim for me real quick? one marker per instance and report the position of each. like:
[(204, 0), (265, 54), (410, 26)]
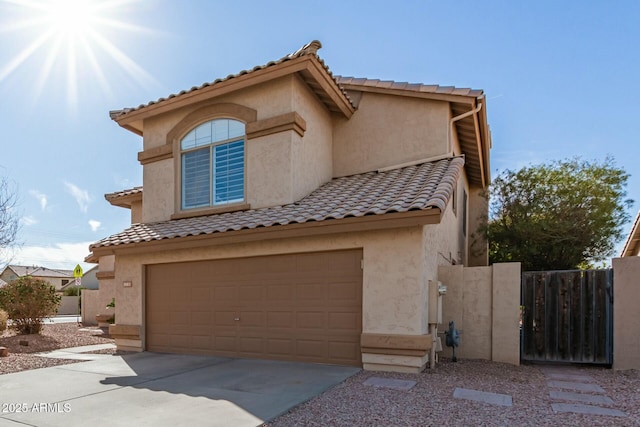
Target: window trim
[(182, 128), (211, 148)]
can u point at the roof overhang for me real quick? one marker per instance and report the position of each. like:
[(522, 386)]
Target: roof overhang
[(314, 228), (309, 67), (631, 246), (124, 201)]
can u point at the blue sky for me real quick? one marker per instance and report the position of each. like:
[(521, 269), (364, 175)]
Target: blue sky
[(561, 79)]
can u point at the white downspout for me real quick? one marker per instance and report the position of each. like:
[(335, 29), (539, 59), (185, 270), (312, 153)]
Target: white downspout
[(460, 117)]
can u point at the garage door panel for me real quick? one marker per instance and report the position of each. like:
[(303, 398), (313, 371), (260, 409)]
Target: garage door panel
[(179, 340), (250, 318), (305, 307), (280, 346), (311, 320), (201, 318), (179, 318), (311, 348), (225, 293), (251, 345), (251, 293), (343, 350), (280, 292), (280, 319), (201, 342), (200, 295), (347, 321), (311, 291), (225, 318), (226, 343)]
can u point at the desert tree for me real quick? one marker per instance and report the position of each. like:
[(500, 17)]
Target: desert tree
[(561, 215)]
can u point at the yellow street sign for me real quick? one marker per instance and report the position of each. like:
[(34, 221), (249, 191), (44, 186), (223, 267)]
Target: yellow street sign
[(77, 272)]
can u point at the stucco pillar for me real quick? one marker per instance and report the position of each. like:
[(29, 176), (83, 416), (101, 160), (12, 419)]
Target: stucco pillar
[(505, 328), (478, 213), (626, 322)]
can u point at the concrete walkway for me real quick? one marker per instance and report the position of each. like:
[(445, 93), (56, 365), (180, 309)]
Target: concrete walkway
[(78, 353), (577, 392), (150, 389)]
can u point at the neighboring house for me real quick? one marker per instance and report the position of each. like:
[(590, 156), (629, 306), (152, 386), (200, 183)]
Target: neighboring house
[(632, 244), (287, 213), (57, 278), (88, 281), (2, 283)]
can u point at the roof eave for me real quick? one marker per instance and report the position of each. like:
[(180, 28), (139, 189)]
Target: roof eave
[(124, 201), (633, 240), (329, 226), (308, 66)]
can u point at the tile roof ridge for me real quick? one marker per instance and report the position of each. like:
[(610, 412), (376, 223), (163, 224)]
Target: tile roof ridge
[(310, 48), (406, 86)]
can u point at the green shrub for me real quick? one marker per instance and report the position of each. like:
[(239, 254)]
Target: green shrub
[(28, 301), (4, 318), (72, 291)]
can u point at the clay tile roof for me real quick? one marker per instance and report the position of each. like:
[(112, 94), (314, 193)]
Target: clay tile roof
[(413, 87), (22, 270), (418, 187), (123, 193), (310, 48)]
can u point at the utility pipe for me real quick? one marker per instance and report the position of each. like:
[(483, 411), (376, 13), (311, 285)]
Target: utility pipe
[(462, 116)]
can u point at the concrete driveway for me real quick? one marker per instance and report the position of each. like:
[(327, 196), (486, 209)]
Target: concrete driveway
[(147, 389)]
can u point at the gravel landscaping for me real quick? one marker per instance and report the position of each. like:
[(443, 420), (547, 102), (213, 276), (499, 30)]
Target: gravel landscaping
[(53, 336), (430, 402)]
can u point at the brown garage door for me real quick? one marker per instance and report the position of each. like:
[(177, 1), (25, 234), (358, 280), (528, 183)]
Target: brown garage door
[(303, 307)]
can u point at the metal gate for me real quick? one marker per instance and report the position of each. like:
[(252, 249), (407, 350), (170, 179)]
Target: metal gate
[(567, 316)]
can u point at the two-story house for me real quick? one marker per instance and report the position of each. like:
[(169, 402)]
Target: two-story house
[(287, 213), (59, 279)]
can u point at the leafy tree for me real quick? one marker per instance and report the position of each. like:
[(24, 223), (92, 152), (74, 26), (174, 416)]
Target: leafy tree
[(72, 291), (28, 301), (557, 216)]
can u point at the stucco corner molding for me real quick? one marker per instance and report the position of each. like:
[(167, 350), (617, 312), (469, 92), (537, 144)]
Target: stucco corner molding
[(131, 332), (398, 345), (104, 275), (284, 122), (155, 154)]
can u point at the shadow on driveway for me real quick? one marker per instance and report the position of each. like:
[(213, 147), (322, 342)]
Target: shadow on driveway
[(145, 389)]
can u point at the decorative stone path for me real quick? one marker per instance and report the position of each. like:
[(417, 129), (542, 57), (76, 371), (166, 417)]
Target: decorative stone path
[(570, 385), (483, 396)]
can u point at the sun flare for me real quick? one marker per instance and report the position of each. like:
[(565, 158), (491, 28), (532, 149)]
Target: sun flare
[(76, 36), (71, 18)]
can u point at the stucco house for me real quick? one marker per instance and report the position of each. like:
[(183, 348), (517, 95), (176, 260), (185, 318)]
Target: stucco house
[(55, 277), (288, 213), (632, 244)]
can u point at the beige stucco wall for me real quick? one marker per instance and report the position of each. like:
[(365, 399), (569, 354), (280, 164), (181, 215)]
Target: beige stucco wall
[(68, 305), (484, 303), (626, 321), (90, 306), (505, 328), (136, 212), (280, 168), (158, 198), (387, 130), (269, 169), (106, 290), (478, 247), (312, 155), (394, 291)]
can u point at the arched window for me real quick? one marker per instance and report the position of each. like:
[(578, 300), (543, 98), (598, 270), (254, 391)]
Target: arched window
[(212, 158)]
